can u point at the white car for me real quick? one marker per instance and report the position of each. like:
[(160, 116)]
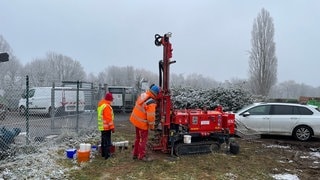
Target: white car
[(300, 121)]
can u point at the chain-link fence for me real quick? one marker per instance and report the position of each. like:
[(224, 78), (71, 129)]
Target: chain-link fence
[(34, 113), (37, 112)]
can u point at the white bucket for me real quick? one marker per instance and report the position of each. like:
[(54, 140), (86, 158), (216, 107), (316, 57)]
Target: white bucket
[(187, 139), (82, 147), (88, 147), (85, 147)]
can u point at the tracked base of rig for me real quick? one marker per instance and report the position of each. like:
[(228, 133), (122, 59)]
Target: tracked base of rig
[(183, 149)]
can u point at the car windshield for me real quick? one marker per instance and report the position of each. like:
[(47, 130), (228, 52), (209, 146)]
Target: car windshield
[(315, 107)]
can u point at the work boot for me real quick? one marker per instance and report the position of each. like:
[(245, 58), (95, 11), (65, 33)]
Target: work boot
[(146, 159), (134, 157), (107, 156)]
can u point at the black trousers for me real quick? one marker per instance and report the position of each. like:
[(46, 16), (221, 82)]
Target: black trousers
[(106, 144)]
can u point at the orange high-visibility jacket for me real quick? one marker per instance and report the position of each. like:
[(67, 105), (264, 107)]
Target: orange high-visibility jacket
[(144, 111), (105, 115)]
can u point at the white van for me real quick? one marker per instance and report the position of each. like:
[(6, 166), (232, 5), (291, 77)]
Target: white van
[(65, 101)]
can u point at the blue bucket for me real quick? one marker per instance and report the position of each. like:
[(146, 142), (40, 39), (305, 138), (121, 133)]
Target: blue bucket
[(71, 153), (94, 148)]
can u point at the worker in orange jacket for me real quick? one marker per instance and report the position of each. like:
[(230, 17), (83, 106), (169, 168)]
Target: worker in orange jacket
[(105, 124), (143, 118)]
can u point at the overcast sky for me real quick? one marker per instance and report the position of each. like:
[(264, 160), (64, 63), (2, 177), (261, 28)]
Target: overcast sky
[(209, 37)]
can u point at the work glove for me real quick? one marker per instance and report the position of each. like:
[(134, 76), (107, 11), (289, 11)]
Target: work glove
[(112, 130)]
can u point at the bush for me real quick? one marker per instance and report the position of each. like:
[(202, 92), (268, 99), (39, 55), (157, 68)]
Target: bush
[(231, 99)]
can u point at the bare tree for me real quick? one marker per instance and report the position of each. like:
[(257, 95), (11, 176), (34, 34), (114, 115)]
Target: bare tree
[(198, 81), (92, 78), (177, 80), (263, 60), (9, 71), (150, 77), (10, 76), (65, 68), (4, 47), (117, 76), (39, 72), (53, 68), (102, 77), (292, 90)]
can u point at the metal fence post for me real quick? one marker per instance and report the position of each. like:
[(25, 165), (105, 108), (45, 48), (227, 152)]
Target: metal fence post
[(77, 107), (52, 106), (27, 111)]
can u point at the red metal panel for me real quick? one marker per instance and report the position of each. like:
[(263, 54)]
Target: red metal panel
[(205, 121), (180, 117)]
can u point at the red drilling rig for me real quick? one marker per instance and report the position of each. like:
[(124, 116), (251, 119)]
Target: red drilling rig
[(188, 131)]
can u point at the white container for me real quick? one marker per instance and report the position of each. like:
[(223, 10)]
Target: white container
[(88, 147), (121, 144), (187, 139), (85, 147), (82, 147), (126, 143)]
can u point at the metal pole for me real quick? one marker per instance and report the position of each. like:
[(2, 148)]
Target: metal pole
[(27, 111), (52, 112), (92, 98), (77, 106)]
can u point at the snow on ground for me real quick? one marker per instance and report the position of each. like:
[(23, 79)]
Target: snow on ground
[(315, 154), (278, 146), (38, 161), (285, 177)]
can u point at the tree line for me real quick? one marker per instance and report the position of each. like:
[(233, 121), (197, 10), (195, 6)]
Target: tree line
[(262, 80)]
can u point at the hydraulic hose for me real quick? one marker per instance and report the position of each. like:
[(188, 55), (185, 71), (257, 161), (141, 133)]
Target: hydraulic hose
[(160, 72)]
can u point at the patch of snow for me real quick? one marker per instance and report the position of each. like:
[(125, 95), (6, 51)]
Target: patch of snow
[(39, 160), (22, 134), (285, 176), (51, 136), (304, 157), (315, 154), (278, 146), (231, 176), (288, 161)]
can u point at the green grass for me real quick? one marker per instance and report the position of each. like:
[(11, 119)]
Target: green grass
[(253, 162)]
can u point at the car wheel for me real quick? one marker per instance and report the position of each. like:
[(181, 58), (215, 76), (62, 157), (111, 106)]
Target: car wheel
[(302, 133), (60, 111), (22, 110)]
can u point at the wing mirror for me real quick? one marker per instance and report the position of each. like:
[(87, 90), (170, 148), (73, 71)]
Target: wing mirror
[(245, 114)]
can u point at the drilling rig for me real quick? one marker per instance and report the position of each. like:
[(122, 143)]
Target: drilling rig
[(188, 131)]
